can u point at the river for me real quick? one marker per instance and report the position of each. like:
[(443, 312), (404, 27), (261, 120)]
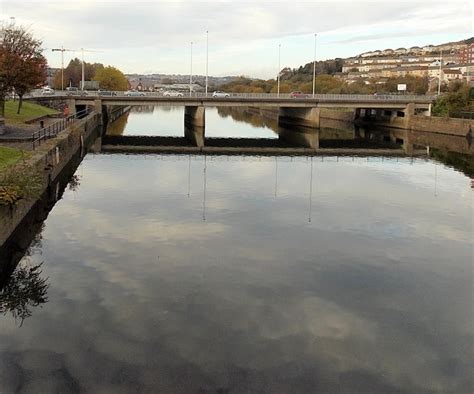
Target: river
[(245, 274)]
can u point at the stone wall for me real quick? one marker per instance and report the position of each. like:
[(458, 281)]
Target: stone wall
[(49, 160)]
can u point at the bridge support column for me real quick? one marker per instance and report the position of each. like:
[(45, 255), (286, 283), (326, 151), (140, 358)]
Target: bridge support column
[(71, 105), (409, 112), (195, 124), (301, 117), (357, 113)]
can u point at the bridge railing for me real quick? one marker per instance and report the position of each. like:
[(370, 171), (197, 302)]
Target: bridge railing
[(281, 96), (53, 129)]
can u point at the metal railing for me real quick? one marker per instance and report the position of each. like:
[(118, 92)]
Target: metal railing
[(281, 96), (55, 128)]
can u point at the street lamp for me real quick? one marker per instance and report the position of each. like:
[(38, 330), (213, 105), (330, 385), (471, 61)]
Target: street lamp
[(207, 59), (82, 73), (440, 70), (278, 77), (314, 66), (191, 72)]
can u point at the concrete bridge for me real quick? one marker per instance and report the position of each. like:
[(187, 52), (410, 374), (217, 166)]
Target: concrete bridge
[(294, 113)]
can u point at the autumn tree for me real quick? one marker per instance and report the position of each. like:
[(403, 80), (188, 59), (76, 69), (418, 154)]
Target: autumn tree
[(73, 73), (111, 78), (22, 64)]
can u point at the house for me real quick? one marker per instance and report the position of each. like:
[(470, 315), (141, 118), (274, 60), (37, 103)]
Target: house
[(451, 75)]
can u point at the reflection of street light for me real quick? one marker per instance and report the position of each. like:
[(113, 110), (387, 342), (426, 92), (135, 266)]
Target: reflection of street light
[(314, 65)]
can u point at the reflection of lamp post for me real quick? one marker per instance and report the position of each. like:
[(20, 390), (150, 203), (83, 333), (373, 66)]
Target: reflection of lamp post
[(204, 194), (276, 175), (310, 192)]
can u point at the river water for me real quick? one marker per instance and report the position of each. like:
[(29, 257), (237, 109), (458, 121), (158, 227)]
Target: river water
[(246, 274)]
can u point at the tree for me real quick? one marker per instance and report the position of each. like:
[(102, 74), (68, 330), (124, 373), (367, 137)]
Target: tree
[(73, 73), (22, 64), (111, 78)]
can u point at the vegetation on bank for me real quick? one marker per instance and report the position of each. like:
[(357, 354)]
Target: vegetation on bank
[(20, 183), (459, 98), (29, 111), (325, 84)]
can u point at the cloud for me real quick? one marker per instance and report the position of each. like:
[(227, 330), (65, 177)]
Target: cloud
[(243, 36)]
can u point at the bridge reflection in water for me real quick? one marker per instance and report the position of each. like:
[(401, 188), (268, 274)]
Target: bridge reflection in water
[(334, 137)]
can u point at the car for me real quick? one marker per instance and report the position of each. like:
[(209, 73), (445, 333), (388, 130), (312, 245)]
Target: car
[(298, 94), (106, 93), (133, 92), (171, 93), (47, 91), (218, 93), (73, 91)]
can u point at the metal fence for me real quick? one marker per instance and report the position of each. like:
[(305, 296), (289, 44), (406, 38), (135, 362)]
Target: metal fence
[(53, 129), (281, 96)]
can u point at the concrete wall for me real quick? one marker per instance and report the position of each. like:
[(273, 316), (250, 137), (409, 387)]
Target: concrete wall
[(434, 124), (421, 123), (49, 160)]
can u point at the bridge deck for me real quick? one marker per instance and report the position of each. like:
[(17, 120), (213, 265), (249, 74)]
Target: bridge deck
[(321, 101)]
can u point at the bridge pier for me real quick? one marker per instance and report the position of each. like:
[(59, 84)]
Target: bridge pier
[(409, 112), (300, 117), (299, 136), (195, 124)]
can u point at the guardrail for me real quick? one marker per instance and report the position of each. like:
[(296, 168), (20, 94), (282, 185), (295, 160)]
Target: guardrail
[(53, 129), (281, 96)]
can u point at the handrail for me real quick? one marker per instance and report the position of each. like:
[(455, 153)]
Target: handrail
[(281, 96), (55, 128)]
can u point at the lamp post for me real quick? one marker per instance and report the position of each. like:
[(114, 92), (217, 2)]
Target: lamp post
[(82, 73), (314, 66), (207, 59), (440, 71), (191, 72), (278, 77), (62, 63)]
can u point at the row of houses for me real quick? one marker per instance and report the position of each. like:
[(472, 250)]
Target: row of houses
[(428, 49), (458, 64)]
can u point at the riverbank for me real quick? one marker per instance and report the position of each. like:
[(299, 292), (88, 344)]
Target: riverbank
[(47, 161), (29, 112)]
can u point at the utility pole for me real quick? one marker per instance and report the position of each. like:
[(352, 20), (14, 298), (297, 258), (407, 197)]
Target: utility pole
[(278, 77), (62, 50), (62, 63), (207, 58), (314, 66), (191, 72), (440, 71)]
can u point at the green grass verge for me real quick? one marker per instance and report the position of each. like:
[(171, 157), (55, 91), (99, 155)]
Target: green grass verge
[(9, 156), (28, 111)]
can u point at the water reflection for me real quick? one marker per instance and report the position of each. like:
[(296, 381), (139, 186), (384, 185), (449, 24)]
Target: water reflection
[(25, 289), (371, 295)]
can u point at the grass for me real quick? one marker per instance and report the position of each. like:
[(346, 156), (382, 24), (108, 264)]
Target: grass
[(28, 111), (9, 156)]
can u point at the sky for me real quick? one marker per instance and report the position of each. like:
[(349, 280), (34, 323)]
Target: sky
[(244, 38)]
